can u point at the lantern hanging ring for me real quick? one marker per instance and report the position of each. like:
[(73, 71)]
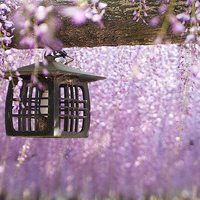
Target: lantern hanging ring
[(56, 54)]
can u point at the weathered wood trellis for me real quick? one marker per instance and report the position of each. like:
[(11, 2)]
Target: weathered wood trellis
[(119, 27)]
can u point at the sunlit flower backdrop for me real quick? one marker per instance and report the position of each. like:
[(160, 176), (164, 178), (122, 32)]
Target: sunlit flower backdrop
[(144, 136), (144, 139)]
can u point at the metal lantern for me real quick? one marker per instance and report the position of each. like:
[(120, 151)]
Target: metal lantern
[(60, 108)]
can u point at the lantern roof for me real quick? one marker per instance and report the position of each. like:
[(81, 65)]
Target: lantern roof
[(56, 68)]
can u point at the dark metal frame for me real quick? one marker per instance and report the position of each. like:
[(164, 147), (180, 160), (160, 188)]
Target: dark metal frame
[(70, 83), (66, 109), (54, 117)]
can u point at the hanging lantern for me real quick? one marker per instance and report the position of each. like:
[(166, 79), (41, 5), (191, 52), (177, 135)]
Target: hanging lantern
[(60, 108)]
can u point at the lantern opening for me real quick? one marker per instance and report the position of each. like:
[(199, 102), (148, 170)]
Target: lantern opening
[(29, 108), (72, 109)]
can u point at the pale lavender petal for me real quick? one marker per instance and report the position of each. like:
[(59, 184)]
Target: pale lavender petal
[(75, 13), (162, 9), (102, 5), (8, 24), (28, 41), (41, 13), (183, 17), (190, 38), (178, 28), (45, 72), (154, 21)]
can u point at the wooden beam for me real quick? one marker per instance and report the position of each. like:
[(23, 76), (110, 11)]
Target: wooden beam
[(119, 27)]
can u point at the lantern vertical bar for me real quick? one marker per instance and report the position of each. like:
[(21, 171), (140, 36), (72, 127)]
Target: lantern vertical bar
[(72, 109), (66, 118), (77, 108), (30, 100), (24, 101), (37, 106), (52, 106), (8, 110), (23, 107), (60, 107), (19, 120), (56, 107), (86, 121), (19, 109), (29, 108)]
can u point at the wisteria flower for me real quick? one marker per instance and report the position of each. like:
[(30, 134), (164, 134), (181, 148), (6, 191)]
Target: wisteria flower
[(37, 28), (75, 13), (83, 11)]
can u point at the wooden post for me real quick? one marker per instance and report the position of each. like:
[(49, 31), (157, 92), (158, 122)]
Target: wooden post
[(119, 27)]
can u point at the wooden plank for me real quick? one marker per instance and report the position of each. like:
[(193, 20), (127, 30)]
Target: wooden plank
[(119, 27)]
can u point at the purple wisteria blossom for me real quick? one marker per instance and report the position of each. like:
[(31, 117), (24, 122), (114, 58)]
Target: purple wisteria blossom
[(144, 139), (83, 10), (75, 13), (185, 23), (6, 26), (154, 21), (140, 13), (38, 27), (177, 27)]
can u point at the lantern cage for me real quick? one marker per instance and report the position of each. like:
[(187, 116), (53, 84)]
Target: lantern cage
[(60, 108)]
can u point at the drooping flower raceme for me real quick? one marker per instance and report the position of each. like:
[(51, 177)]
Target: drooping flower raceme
[(141, 12), (37, 25), (6, 26), (83, 10), (185, 23), (191, 19)]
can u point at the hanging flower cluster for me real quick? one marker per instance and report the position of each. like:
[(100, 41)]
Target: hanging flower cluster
[(6, 26), (185, 23), (141, 13), (83, 10), (191, 19), (37, 25), (167, 10)]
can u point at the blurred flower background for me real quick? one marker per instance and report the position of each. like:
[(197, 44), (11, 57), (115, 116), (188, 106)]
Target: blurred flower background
[(144, 140)]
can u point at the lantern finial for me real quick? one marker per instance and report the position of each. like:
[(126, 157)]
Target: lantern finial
[(51, 57)]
